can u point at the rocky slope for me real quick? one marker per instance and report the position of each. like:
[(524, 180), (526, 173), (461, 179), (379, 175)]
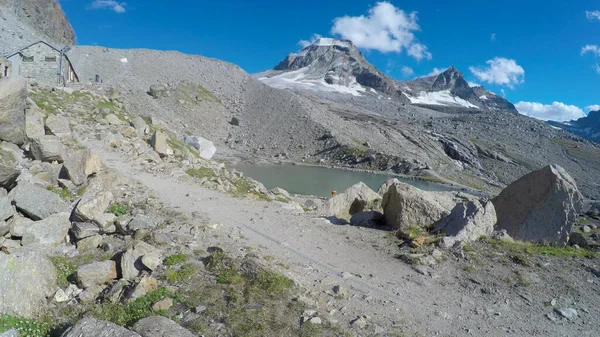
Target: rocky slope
[(45, 17), (587, 127)]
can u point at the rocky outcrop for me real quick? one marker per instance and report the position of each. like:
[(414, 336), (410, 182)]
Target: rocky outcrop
[(540, 206), (467, 222), (131, 261), (160, 145), (91, 327), (81, 165), (405, 206), (58, 126), (27, 279), (160, 326), (355, 199), (13, 102), (51, 231), (96, 273), (46, 17)]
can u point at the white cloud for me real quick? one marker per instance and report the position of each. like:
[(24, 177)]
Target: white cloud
[(598, 68), (493, 37), (386, 29), (473, 84), (556, 111), (436, 71), (115, 6), (306, 43), (500, 71), (594, 107), (593, 15), (591, 48), (407, 71), (503, 93)]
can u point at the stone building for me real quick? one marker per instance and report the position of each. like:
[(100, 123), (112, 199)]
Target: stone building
[(42, 62), (5, 67)]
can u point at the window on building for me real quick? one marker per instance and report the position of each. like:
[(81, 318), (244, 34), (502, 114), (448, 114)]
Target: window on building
[(27, 58), (50, 58)]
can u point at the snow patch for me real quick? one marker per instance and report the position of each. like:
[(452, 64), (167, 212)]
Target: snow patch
[(327, 42), (124, 60), (443, 98), (555, 127), (299, 79), (483, 97)]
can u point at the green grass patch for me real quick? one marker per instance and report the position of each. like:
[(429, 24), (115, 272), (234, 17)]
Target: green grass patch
[(175, 275), (430, 179), (129, 313), (469, 268), (273, 283), (26, 327), (224, 269), (282, 199), (192, 92), (203, 172), (531, 248), (582, 221), (175, 259), (63, 193), (119, 209)]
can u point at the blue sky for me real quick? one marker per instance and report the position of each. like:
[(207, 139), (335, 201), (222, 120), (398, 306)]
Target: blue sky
[(543, 55)]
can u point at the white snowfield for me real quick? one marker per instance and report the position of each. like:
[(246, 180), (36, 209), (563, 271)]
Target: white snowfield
[(443, 98), (300, 79), (327, 42)]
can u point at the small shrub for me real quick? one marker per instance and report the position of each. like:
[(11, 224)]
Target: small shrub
[(119, 209), (63, 193), (26, 327), (273, 283), (469, 268), (282, 199), (181, 274), (65, 267), (200, 173), (175, 259), (223, 268), (127, 314), (531, 248)]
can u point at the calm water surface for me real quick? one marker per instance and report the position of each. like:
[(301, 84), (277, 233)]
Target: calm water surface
[(320, 181)]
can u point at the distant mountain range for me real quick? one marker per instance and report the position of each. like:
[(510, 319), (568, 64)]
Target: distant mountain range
[(586, 127), (334, 65)]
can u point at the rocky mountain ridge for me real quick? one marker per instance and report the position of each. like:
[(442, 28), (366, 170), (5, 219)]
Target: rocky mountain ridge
[(587, 127), (337, 65)]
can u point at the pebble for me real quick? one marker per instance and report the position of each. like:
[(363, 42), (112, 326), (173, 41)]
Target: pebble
[(60, 296), (568, 313), (164, 304), (315, 320), (359, 322), (200, 308), (586, 229)]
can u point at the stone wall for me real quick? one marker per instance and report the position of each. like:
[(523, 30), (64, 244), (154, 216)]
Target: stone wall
[(40, 62)]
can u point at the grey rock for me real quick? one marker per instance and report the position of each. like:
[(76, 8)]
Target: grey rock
[(205, 147), (146, 285), (579, 240), (160, 326), (467, 222), (568, 313), (131, 261), (92, 205), (355, 199), (405, 206), (140, 126), (82, 230), (113, 119), (90, 294), (89, 243), (51, 231), (500, 235), (6, 208), (10, 333), (37, 202), (281, 192), (80, 165), (368, 219), (586, 229), (13, 101), (360, 322), (27, 279), (160, 145), (48, 148), (58, 126), (157, 91), (8, 176), (151, 260), (60, 296), (141, 221), (541, 205), (34, 123), (17, 225), (96, 273), (91, 327)]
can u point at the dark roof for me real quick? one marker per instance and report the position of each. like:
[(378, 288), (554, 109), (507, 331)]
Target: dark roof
[(33, 44)]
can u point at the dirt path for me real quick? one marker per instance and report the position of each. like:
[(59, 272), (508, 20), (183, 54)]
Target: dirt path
[(321, 255)]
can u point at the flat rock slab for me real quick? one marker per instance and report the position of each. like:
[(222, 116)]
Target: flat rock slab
[(37, 202), (51, 231), (48, 148), (8, 176), (27, 279), (159, 326), (96, 273), (91, 327)]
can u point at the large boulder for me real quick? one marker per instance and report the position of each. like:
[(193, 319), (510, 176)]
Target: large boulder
[(13, 102), (357, 198), (94, 202), (131, 261), (205, 147), (48, 148), (8, 176), (80, 165), (37, 202), (467, 222), (96, 273), (157, 90), (160, 145), (51, 231), (160, 326), (27, 279), (34, 122), (406, 206), (91, 327), (6, 208), (140, 126), (540, 206), (58, 126)]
